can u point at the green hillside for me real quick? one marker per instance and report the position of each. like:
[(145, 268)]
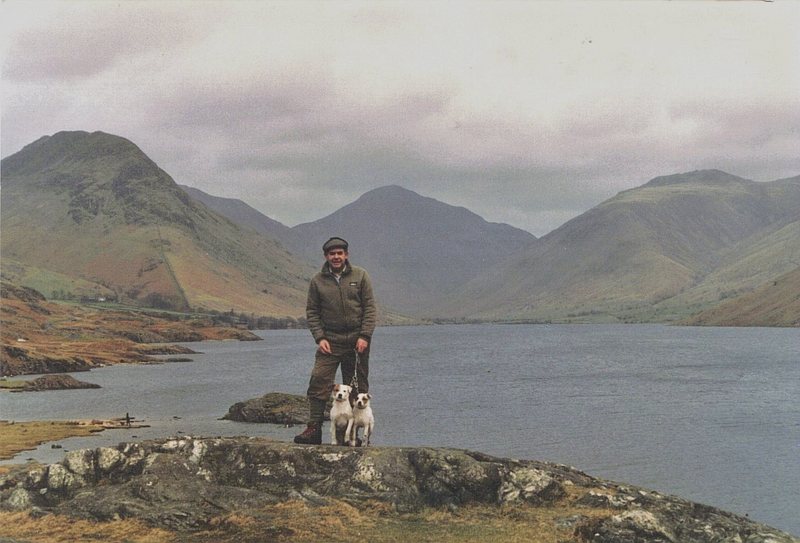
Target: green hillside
[(90, 211), (641, 254), (746, 266), (776, 303), (90, 216)]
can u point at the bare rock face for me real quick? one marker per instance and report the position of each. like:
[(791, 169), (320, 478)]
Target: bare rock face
[(182, 484), (275, 408)]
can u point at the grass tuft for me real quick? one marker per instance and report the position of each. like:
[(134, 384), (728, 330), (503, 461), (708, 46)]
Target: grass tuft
[(58, 529)]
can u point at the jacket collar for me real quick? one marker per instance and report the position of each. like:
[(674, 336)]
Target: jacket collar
[(326, 268)]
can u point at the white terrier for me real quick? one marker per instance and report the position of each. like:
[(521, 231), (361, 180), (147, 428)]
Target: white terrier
[(341, 413), (362, 418)]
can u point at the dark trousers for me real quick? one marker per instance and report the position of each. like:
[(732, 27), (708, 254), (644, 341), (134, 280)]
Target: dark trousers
[(323, 375)]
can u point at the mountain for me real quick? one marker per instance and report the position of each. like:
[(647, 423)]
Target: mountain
[(90, 215), (240, 213), (634, 255), (757, 260), (417, 249)]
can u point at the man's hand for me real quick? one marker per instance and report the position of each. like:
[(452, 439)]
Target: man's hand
[(325, 346), (361, 345)]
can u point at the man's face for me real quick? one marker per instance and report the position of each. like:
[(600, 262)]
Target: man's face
[(336, 258)]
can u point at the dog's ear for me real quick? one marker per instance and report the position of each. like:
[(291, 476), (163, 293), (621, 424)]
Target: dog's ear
[(369, 396)]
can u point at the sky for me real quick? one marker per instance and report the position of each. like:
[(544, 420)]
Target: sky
[(528, 113)]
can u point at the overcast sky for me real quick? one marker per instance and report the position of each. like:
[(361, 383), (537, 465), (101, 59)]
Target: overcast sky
[(528, 113)]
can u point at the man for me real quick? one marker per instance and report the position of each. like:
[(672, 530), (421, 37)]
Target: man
[(341, 316)]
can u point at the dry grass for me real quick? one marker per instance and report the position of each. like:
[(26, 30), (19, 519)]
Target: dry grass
[(376, 522), (299, 522), (57, 529), (16, 437), (46, 334)]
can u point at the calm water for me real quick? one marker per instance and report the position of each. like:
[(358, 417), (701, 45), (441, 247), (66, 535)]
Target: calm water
[(710, 414)]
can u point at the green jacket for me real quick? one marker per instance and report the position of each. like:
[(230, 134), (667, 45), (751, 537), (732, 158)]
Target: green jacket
[(343, 308)]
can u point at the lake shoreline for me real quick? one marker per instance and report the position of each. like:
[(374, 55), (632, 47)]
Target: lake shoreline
[(24, 436), (652, 405), (40, 336)]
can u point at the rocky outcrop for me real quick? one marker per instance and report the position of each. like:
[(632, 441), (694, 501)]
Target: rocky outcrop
[(54, 382), (274, 407), (19, 360), (183, 484)]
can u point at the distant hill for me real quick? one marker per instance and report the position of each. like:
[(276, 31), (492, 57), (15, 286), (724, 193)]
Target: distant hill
[(417, 249), (633, 256), (241, 213), (90, 215)]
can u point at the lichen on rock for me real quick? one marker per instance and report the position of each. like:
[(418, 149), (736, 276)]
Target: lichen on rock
[(182, 484)]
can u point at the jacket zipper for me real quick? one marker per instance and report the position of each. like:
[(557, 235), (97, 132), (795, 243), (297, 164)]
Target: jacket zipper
[(341, 300)]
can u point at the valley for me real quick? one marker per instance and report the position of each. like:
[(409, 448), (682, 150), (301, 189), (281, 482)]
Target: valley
[(89, 217)]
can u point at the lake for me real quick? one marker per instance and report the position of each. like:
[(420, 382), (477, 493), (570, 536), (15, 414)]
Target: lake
[(710, 414)]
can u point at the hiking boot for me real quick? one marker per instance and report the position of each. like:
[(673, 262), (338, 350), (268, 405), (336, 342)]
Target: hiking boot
[(312, 435)]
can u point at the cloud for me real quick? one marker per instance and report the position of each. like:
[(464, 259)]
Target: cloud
[(528, 113), (81, 39)]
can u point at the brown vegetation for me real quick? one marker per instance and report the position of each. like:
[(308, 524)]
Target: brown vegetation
[(39, 336), (253, 490), (776, 303), (301, 522), (57, 529), (16, 437)]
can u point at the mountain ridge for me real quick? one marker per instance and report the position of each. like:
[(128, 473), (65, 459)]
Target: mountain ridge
[(416, 248), (691, 253), (632, 252), (710, 176), (110, 222), (240, 212), (93, 207)]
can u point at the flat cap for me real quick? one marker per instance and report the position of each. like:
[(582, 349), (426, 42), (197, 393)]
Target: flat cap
[(334, 243)]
